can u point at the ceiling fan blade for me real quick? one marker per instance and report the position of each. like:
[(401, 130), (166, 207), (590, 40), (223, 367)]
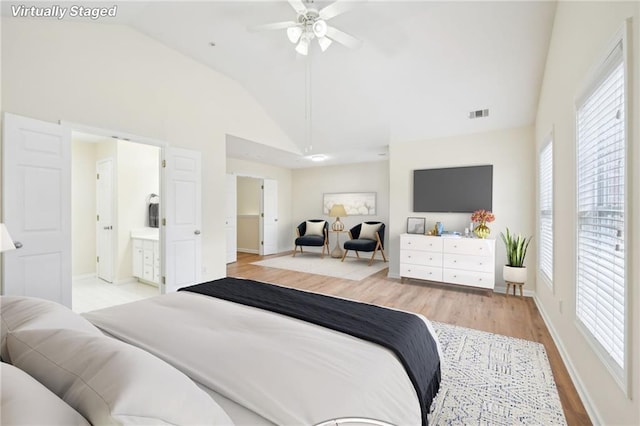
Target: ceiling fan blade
[(343, 38), (273, 26), (298, 6), (336, 8)]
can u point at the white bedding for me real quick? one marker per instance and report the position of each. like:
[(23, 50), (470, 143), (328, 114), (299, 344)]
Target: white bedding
[(284, 370)]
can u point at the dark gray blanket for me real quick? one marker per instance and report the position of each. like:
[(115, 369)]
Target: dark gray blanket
[(405, 334)]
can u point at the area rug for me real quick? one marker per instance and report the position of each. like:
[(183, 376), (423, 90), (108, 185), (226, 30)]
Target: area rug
[(490, 379), (351, 269)]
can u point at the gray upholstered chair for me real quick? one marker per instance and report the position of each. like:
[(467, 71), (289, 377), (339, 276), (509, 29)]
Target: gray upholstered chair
[(367, 237), (312, 233)]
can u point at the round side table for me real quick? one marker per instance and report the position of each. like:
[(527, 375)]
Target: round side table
[(337, 251)]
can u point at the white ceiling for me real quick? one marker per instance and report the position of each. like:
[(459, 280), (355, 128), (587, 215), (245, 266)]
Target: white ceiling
[(422, 68)]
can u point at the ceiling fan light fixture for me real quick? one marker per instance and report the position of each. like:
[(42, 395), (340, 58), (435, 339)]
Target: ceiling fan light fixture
[(294, 33), (303, 46), (316, 158), (324, 43), (320, 28)]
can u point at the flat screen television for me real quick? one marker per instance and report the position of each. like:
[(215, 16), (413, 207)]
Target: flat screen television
[(455, 189)]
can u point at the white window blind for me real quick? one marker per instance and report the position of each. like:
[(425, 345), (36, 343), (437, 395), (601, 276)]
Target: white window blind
[(545, 232), (601, 177)]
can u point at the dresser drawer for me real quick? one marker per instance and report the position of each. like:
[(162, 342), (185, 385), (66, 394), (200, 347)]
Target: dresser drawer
[(420, 272), (475, 279), (147, 273), (148, 258), (416, 257), (468, 263), (420, 242), (472, 246)]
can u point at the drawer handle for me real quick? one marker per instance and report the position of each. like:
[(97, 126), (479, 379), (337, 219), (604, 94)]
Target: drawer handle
[(480, 263), (455, 276), (431, 258), (480, 248), (479, 279), (430, 273), (455, 246), (455, 261)]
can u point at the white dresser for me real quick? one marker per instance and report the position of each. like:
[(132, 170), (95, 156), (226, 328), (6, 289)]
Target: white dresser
[(464, 261), (146, 256)]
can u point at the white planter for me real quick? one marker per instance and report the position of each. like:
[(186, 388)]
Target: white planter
[(514, 275)]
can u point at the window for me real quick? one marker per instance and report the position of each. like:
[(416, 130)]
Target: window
[(601, 212), (545, 224)]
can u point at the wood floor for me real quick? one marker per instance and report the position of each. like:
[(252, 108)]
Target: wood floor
[(510, 316)]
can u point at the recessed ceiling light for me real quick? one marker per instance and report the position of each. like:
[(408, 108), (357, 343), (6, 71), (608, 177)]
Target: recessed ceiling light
[(318, 157)]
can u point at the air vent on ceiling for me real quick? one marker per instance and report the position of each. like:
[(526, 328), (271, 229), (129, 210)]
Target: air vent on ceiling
[(479, 113)]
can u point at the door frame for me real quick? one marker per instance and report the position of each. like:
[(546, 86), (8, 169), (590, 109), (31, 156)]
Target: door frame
[(261, 200), (129, 137)]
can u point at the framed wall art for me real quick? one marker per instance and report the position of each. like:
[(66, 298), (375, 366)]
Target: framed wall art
[(355, 203), (415, 225)]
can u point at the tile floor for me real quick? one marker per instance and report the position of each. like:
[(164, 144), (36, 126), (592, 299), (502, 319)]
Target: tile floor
[(92, 293)]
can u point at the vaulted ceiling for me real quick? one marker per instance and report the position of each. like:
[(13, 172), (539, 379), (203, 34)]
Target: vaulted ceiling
[(422, 67)]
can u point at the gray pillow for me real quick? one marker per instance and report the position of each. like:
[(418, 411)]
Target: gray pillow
[(111, 382), (27, 313), (27, 402)]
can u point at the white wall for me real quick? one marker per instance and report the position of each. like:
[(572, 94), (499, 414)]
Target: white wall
[(510, 152), (284, 178), (138, 176), (310, 184), (113, 77), (249, 194), (83, 208), (581, 34)]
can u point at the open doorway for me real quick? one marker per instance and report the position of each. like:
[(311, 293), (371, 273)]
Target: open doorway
[(115, 218), (249, 190), (251, 216)]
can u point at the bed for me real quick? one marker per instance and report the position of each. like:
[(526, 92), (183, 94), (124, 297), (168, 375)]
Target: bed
[(263, 367)]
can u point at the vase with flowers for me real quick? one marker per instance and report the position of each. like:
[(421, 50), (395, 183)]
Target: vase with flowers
[(482, 217)]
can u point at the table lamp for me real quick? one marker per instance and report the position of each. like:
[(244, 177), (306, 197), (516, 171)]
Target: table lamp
[(6, 243), (336, 211)]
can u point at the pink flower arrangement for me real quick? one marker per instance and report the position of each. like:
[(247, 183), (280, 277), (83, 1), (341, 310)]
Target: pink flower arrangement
[(482, 216)]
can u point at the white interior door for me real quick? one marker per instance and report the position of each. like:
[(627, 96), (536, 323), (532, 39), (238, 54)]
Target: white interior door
[(231, 218), (182, 220), (105, 222), (36, 190), (269, 217)]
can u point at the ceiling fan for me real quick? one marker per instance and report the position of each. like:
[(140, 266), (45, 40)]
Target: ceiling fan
[(311, 23)]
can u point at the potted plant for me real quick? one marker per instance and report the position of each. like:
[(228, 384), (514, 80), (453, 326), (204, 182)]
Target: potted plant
[(515, 271)]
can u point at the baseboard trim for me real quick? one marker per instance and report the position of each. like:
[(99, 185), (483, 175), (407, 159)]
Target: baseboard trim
[(526, 292), (246, 250), (83, 276), (594, 416)]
